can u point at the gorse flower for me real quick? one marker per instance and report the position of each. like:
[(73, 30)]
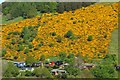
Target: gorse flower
[(90, 26)]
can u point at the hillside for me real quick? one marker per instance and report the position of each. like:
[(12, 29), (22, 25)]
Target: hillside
[(85, 31)]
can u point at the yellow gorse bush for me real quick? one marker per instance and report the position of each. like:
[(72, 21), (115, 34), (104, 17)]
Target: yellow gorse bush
[(97, 21)]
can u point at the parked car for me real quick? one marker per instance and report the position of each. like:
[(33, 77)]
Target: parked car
[(58, 63), (20, 64), (37, 64)]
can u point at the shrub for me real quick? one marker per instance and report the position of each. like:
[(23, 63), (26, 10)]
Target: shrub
[(11, 71), (59, 39), (53, 34), (28, 73), (26, 50), (30, 46), (16, 33), (71, 55), (51, 45), (62, 54), (42, 57), (69, 34), (104, 71), (42, 72), (9, 33), (41, 44), (3, 52), (30, 60), (72, 71), (8, 37), (36, 48), (90, 38), (105, 36), (20, 47), (13, 41)]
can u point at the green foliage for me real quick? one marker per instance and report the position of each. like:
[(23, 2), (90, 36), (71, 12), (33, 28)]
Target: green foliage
[(42, 73), (51, 45), (8, 37), (26, 10), (69, 34), (30, 60), (16, 33), (59, 39), (28, 73), (6, 10), (29, 33), (90, 38), (62, 55), (105, 36), (11, 71), (42, 57), (60, 7), (53, 34), (85, 4), (13, 41), (26, 50), (3, 52), (30, 46), (41, 44), (44, 7), (71, 55), (72, 71), (110, 59), (104, 71), (20, 47)]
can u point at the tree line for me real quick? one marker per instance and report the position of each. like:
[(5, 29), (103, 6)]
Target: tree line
[(31, 9)]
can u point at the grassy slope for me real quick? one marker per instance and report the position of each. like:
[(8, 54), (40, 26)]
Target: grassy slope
[(4, 21), (113, 48)]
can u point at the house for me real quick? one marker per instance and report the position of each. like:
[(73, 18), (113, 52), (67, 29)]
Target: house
[(27, 69), (57, 71), (20, 64), (88, 65), (37, 64)]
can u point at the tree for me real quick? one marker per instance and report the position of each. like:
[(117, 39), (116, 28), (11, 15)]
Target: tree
[(104, 71), (11, 71), (60, 7), (67, 6), (44, 7), (30, 60), (42, 72), (25, 9), (72, 71)]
